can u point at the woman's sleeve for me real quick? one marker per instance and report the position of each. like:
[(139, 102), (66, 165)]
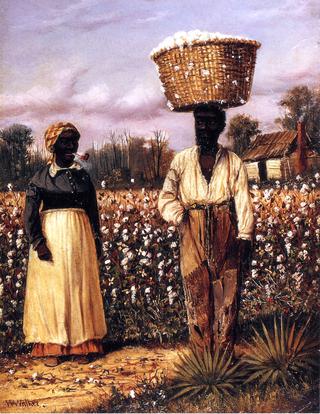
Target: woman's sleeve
[(92, 210), (169, 205), (32, 221)]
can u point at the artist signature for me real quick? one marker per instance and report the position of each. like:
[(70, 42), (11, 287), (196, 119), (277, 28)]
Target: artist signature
[(22, 403)]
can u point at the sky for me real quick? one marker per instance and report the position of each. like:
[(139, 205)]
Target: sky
[(87, 61)]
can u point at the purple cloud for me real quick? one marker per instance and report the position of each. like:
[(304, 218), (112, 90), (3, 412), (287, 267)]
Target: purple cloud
[(96, 105), (78, 16)]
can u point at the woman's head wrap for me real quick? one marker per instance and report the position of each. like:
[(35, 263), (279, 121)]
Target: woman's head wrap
[(52, 134)]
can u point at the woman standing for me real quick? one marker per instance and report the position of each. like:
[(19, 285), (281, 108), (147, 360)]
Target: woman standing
[(63, 313)]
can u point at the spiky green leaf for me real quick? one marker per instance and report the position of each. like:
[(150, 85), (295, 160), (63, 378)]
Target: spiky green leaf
[(277, 344), (187, 390), (270, 342), (266, 376)]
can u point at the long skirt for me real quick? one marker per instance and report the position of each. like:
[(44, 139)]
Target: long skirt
[(63, 308), (210, 267)]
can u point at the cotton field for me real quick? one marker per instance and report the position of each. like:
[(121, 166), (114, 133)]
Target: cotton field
[(140, 278)]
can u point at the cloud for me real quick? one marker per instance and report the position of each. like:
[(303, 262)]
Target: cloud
[(98, 108), (71, 7), (297, 65), (288, 9), (78, 16), (97, 104), (300, 8), (139, 103), (82, 22), (153, 18), (264, 108), (94, 102), (63, 97), (41, 99), (96, 99)]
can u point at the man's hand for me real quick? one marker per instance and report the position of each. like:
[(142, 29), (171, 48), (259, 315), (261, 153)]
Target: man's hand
[(98, 247), (43, 252), (245, 250), (185, 215)]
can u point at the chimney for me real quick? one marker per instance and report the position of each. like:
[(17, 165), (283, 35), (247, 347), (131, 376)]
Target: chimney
[(301, 147)]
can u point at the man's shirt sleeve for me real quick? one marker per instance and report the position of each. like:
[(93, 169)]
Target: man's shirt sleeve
[(243, 203), (170, 207)]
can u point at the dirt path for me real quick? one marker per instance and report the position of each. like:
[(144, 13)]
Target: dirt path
[(27, 385)]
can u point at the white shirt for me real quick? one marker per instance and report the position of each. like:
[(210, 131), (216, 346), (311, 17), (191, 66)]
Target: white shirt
[(185, 185)]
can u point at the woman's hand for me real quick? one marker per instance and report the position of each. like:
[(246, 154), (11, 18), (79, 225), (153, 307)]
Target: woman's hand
[(43, 252)]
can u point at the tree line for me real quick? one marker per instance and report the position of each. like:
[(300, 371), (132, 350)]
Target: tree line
[(125, 159)]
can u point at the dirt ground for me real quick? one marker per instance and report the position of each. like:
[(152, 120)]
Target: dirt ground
[(27, 385)]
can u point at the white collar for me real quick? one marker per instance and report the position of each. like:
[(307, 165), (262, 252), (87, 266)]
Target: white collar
[(54, 168)]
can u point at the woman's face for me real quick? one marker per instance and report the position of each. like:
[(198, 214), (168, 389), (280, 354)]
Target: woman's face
[(65, 147)]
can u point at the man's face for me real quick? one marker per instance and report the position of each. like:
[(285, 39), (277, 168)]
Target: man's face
[(208, 127)]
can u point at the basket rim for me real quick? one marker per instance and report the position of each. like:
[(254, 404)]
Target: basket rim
[(217, 41), (191, 107)]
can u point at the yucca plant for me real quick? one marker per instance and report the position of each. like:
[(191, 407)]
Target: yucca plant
[(282, 356), (206, 370)]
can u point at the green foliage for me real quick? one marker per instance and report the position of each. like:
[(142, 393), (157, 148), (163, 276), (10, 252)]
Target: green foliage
[(155, 398), (18, 139), (242, 129), (282, 356), (149, 395), (302, 103), (204, 370)]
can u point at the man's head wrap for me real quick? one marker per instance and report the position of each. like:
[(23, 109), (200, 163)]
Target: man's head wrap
[(52, 134)]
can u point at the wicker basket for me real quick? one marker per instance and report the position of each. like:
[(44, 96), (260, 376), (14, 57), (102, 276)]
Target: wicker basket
[(218, 70)]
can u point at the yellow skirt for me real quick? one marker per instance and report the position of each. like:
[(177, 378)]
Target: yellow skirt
[(63, 303)]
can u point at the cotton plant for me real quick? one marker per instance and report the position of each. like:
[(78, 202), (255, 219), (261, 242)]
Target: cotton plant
[(140, 279), (138, 260), (284, 267)]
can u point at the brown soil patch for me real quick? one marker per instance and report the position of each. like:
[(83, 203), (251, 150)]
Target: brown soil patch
[(27, 385)]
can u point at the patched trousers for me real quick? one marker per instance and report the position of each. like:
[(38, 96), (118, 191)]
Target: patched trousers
[(210, 266)]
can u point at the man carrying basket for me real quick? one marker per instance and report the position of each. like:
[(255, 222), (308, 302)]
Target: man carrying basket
[(206, 190), (206, 194)]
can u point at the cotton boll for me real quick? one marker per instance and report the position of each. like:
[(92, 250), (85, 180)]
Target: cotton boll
[(181, 39)]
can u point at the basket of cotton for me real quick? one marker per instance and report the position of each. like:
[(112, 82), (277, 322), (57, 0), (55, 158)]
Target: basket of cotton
[(201, 67)]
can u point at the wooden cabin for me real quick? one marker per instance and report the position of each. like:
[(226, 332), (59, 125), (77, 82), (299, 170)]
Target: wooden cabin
[(281, 155)]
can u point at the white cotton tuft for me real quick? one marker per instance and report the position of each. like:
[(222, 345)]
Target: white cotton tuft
[(181, 39)]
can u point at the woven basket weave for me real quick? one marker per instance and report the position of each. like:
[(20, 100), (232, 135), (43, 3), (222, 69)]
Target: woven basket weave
[(218, 71)]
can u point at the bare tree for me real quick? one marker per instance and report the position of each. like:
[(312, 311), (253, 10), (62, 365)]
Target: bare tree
[(128, 139), (158, 145)]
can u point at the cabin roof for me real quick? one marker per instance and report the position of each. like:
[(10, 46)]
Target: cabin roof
[(273, 145)]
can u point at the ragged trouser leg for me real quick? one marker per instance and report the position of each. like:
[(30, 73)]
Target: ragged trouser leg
[(226, 291), (212, 287)]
